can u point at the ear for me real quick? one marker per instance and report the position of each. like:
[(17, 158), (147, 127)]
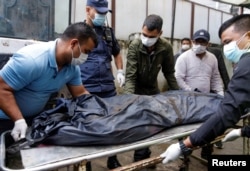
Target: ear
[(88, 10), (73, 42), (248, 34), (160, 33)]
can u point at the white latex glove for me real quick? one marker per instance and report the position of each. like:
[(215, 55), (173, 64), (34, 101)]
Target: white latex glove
[(120, 77), (19, 130), (232, 135), (172, 153), (221, 93)]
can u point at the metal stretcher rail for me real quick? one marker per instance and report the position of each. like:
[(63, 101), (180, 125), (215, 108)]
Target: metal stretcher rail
[(53, 157)]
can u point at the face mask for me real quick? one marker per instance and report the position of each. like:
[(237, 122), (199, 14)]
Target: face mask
[(148, 41), (232, 51), (199, 49), (185, 47), (99, 19), (81, 59)]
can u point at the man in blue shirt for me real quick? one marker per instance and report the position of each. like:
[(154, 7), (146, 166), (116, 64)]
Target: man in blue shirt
[(37, 71)]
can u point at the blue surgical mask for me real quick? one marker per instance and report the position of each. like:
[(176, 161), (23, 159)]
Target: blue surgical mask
[(99, 19), (81, 59), (232, 51)]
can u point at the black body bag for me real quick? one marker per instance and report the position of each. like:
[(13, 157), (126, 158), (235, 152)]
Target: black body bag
[(90, 120)]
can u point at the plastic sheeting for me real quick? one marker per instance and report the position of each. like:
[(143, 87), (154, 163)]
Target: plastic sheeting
[(90, 120)]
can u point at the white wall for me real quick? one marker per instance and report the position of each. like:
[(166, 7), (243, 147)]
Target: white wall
[(182, 19), (164, 9), (200, 18), (129, 17), (78, 10), (61, 15), (214, 25)]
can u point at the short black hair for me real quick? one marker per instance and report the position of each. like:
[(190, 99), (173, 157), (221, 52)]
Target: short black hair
[(81, 31), (153, 22), (186, 39), (241, 24)]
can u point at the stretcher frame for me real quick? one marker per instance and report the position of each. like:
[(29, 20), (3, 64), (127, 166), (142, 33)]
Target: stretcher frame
[(89, 153)]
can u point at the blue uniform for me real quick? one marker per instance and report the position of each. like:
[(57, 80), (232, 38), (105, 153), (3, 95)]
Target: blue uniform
[(96, 72), (32, 72)]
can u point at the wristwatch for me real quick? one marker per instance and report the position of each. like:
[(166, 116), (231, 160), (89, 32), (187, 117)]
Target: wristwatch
[(185, 150)]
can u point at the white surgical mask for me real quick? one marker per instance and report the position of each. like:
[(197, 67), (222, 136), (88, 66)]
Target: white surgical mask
[(148, 41), (199, 49), (81, 59), (232, 51), (185, 47)]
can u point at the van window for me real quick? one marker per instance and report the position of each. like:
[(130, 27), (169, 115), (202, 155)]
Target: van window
[(42, 20)]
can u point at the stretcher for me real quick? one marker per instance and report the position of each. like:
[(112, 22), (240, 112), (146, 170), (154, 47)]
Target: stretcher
[(54, 157)]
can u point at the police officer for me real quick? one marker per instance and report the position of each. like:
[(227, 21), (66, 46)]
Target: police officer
[(96, 72)]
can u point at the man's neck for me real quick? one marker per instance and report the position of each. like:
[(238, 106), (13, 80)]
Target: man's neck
[(150, 49), (60, 56), (201, 55), (89, 22)]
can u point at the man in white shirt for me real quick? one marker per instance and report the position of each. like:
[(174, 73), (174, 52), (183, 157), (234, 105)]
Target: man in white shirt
[(197, 70)]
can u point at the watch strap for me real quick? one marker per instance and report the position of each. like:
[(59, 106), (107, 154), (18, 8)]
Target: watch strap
[(184, 149)]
